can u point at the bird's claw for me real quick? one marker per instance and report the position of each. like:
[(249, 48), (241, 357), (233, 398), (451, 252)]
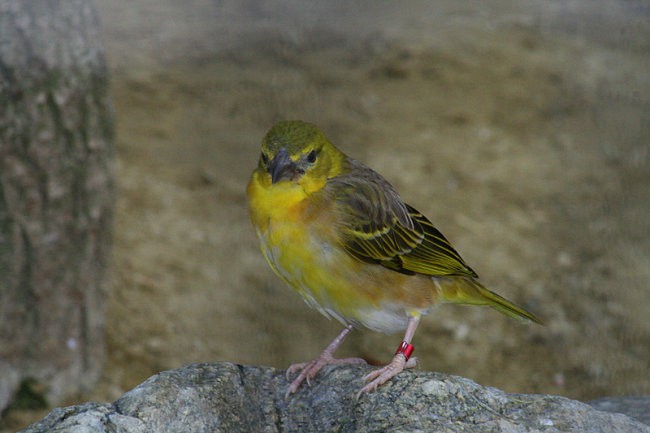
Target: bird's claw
[(308, 370), (296, 367), (382, 375)]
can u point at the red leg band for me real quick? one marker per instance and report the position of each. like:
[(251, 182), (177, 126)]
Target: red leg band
[(405, 349)]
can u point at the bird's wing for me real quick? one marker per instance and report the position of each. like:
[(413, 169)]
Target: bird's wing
[(376, 226)]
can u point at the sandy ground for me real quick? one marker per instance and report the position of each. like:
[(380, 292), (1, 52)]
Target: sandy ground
[(521, 132)]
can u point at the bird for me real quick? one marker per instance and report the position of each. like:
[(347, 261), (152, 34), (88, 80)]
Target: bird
[(340, 235)]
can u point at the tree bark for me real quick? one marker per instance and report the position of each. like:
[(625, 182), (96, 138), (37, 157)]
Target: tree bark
[(56, 196)]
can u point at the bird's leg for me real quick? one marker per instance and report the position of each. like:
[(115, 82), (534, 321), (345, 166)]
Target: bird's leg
[(401, 360), (309, 369)]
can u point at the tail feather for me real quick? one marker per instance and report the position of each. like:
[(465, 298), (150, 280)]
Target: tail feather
[(467, 291)]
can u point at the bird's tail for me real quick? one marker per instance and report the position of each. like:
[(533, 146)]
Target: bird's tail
[(467, 291)]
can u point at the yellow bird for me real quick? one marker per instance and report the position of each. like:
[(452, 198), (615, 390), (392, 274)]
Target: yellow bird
[(340, 235)]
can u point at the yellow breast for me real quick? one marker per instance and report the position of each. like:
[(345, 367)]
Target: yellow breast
[(293, 231)]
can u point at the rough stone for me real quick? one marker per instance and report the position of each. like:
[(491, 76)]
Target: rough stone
[(634, 407), (225, 397)]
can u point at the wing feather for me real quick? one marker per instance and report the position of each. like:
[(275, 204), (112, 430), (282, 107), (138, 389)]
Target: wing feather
[(376, 226)]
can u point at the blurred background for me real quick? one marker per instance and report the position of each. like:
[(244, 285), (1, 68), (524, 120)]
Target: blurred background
[(520, 128)]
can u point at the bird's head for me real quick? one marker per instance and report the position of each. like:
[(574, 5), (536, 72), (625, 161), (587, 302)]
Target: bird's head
[(298, 152)]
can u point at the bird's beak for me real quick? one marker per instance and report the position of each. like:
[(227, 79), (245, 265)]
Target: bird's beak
[(282, 167)]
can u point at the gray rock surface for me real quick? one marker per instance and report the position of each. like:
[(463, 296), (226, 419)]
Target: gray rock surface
[(635, 407), (225, 397)]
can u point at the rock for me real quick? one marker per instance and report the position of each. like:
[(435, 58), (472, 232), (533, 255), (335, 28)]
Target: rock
[(634, 407), (225, 397), (88, 418)]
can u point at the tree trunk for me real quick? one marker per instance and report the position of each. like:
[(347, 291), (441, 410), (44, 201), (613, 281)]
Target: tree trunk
[(56, 196)]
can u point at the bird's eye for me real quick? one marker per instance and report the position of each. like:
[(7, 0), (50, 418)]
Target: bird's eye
[(311, 156), (265, 159)]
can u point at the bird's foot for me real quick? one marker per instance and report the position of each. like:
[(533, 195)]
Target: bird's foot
[(308, 370), (382, 375)]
